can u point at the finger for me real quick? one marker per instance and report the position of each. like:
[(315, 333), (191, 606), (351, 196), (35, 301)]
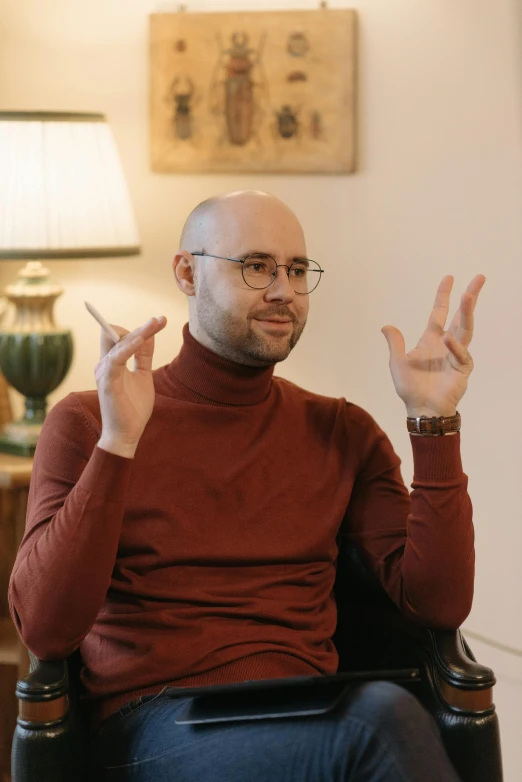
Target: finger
[(112, 367), (462, 323), (116, 359), (144, 343), (476, 285), (106, 341), (151, 327), (440, 309), (144, 354), (464, 331), (395, 341), (459, 355), (148, 329), (467, 308)]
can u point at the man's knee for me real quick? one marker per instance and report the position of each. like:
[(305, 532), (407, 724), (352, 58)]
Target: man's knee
[(384, 705)]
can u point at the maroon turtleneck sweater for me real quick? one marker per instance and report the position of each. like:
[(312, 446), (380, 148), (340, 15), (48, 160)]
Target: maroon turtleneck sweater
[(210, 556)]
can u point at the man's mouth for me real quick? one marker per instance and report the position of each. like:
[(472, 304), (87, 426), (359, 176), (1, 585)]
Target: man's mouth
[(275, 325), (275, 320)]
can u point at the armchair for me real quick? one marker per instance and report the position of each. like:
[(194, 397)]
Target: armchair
[(51, 739)]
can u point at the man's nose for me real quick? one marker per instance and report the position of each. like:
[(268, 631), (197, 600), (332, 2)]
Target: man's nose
[(281, 287)]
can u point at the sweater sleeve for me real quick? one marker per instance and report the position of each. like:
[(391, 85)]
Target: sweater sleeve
[(420, 546), (75, 509)]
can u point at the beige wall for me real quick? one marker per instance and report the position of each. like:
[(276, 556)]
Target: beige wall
[(438, 191)]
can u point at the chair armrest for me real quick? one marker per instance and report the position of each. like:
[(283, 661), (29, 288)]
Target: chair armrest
[(456, 662), (461, 682), (392, 640), (461, 700), (43, 693), (47, 742)]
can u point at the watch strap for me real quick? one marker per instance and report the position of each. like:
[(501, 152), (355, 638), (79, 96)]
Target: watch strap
[(433, 426)]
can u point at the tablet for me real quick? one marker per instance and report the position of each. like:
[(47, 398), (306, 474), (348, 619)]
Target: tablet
[(276, 698)]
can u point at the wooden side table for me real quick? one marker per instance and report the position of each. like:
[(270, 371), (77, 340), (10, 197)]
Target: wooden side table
[(15, 474)]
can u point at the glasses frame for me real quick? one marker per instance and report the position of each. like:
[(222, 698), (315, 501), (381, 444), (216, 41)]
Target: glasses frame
[(278, 265)]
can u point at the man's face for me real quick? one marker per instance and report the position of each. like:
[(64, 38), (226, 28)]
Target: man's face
[(251, 326)]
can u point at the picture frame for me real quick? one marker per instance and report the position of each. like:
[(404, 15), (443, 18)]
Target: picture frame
[(258, 92)]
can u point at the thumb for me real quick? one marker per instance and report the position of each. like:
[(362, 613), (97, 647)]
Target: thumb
[(395, 342)]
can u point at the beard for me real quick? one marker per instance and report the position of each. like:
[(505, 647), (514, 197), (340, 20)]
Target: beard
[(237, 339)]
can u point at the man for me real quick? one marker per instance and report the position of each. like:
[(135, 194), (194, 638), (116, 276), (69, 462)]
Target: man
[(183, 524)]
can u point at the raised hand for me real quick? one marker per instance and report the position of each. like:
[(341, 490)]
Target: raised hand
[(432, 378), (126, 398)]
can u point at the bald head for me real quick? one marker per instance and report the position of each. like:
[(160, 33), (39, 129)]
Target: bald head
[(232, 215), (196, 226)]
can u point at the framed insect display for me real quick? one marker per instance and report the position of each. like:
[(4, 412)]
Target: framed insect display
[(263, 91)]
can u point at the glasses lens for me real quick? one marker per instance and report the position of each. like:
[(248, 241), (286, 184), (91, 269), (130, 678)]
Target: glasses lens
[(305, 276), (259, 270)]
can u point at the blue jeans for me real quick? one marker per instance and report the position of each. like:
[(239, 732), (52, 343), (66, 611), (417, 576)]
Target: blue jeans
[(378, 732)]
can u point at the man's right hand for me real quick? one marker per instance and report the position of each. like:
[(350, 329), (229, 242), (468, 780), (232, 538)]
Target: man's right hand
[(126, 398)]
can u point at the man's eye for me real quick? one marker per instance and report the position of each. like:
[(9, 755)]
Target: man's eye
[(257, 266)]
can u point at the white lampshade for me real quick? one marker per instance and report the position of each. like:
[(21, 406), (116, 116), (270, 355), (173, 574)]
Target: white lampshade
[(63, 192)]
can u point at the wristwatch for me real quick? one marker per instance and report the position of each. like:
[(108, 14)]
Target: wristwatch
[(434, 427)]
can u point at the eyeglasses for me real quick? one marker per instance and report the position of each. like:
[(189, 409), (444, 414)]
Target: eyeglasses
[(260, 270)]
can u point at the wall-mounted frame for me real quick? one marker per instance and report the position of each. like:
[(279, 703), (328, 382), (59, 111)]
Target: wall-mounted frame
[(253, 91)]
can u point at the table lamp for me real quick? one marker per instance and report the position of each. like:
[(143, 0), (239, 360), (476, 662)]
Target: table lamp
[(63, 196)]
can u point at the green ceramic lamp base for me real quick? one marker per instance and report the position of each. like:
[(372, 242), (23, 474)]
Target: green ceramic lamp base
[(35, 355)]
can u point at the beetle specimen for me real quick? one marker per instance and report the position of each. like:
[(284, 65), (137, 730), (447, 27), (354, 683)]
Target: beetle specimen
[(235, 97), (182, 91), (287, 122)]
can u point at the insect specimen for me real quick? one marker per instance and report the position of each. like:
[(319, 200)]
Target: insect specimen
[(181, 92), (234, 93)]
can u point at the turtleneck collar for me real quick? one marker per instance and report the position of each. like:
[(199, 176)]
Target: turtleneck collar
[(216, 378)]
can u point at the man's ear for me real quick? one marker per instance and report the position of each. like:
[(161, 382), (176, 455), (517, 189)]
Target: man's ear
[(184, 268)]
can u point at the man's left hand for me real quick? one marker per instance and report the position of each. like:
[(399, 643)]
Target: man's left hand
[(432, 378)]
